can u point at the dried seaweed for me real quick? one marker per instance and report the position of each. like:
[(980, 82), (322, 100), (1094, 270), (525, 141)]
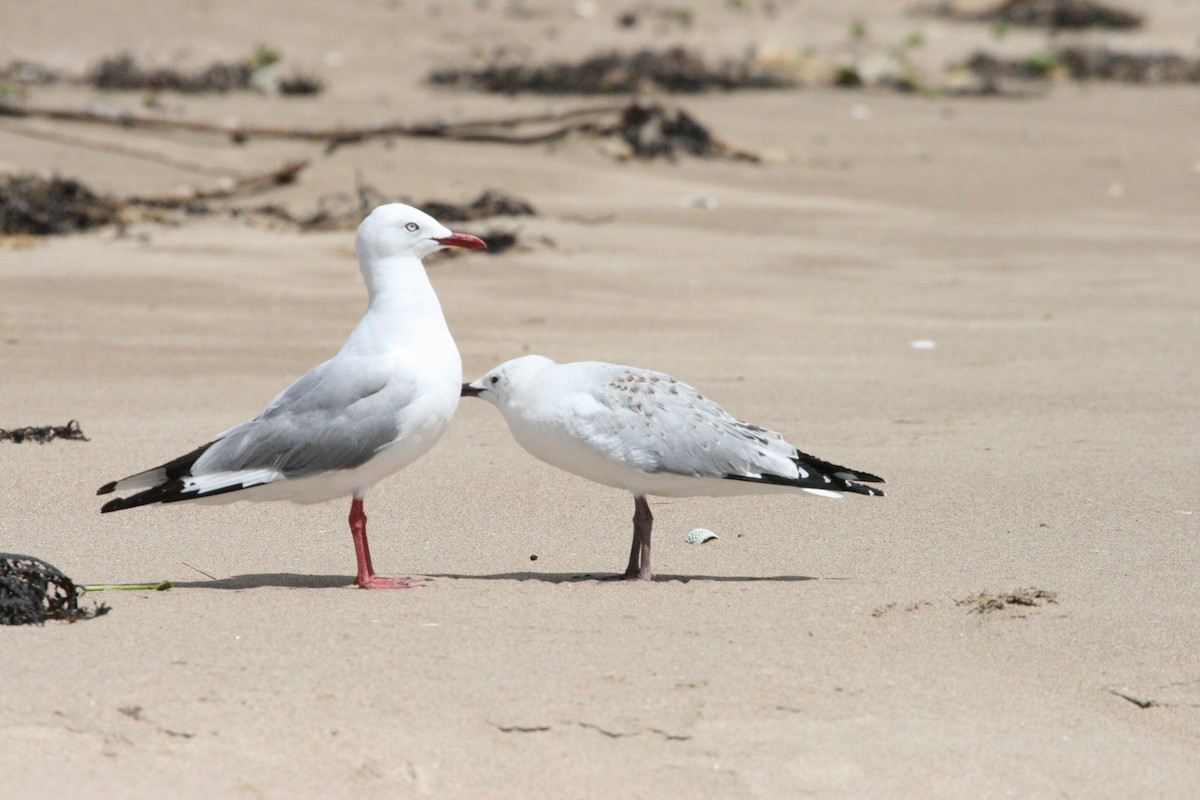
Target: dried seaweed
[(32, 591), (985, 602), (491, 203), (673, 70), (1054, 15), (124, 72), (653, 131), (43, 206), (1092, 63), (345, 210), (29, 73), (1101, 63), (499, 241), (44, 433), (524, 129)]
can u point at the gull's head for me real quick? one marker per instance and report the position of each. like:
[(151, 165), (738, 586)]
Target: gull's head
[(398, 230), (510, 381)]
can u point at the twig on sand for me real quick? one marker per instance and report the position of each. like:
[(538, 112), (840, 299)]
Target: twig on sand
[(631, 122), (202, 572), (161, 586), (470, 130), (1137, 701), (245, 185)]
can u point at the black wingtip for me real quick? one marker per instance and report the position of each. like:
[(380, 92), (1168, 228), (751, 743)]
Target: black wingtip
[(112, 505), (107, 488)]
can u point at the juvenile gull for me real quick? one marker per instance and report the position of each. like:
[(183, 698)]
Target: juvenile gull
[(649, 434), (371, 410)]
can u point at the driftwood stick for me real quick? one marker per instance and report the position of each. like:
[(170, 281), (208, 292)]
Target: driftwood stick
[(467, 130), (246, 185), (41, 133)]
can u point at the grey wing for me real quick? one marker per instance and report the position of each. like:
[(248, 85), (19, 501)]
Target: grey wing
[(336, 416), (655, 423)]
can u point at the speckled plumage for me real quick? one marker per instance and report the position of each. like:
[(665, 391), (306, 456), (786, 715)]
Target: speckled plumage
[(650, 434)]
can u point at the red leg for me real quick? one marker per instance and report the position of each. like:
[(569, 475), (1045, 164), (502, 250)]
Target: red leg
[(367, 579)]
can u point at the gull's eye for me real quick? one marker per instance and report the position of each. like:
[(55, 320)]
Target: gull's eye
[(412, 226), (495, 380)]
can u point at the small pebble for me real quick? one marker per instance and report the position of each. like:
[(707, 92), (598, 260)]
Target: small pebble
[(533, 557), (699, 201)]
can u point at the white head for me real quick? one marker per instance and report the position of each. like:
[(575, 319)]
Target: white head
[(508, 381), (396, 230)]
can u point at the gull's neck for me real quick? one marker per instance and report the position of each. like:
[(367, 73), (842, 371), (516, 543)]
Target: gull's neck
[(402, 309)]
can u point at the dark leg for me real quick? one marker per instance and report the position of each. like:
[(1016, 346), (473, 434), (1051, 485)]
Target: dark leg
[(367, 579), (639, 551), (635, 550)]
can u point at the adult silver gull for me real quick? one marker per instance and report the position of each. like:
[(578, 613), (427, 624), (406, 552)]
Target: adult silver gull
[(649, 434), (371, 410)]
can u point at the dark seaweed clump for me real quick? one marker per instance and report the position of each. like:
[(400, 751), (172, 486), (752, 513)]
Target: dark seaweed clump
[(1057, 15), (32, 591), (652, 131), (123, 72), (674, 70), (47, 206), (491, 203), (43, 433), (1095, 63)]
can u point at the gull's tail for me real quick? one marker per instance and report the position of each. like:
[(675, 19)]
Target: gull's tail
[(174, 482), (821, 478)]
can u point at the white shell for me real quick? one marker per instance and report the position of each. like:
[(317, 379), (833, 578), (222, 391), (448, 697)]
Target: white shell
[(700, 536)]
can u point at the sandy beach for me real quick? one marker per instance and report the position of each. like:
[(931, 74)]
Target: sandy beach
[(1044, 248)]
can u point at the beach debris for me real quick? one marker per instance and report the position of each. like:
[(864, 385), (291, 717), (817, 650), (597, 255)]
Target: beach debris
[(1087, 63), (634, 123), (499, 240), (43, 433), (1049, 14), (157, 586), (31, 204), (650, 130), (33, 591), (28, 73), (1140, 702), (700, 536), (676, 69), (345, 210), (923, 344), (260, 71), (123, 72), (985, 602), (193, 198), (491, 203)]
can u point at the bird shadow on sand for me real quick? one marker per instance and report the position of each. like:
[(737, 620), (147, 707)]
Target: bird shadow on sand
[(285, 580), (576, 577), (291, 580)]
